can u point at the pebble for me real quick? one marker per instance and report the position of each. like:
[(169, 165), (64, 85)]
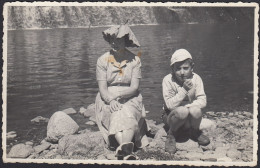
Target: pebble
[(240, 116), (54, 146), (211, 113), (224, 159), (39, 119), (93, 118), (42, 147), (111, 156), (193, 156), (58, 156), (82, 110), (69, 111), (234, 154), (230, 114), (29, 143), (90, 123), (101, 157), (248, 114), (11, 135), (224, 119)]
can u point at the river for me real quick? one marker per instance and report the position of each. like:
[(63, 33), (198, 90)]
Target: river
[(54, 69)]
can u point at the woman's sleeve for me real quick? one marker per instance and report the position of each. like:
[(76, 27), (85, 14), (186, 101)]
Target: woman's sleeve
[(136, 73), (101, 69)]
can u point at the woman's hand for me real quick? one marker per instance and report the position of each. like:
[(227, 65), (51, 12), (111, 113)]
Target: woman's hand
[(115, 106)]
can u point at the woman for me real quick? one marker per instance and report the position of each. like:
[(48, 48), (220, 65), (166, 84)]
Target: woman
[(119, 108)]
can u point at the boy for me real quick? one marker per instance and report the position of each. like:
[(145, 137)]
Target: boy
[(184, 97)]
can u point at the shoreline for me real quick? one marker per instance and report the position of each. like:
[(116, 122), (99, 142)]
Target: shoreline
[(228, 131)]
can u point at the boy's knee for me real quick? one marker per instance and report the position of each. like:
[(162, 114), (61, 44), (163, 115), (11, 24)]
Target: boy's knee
[(195, 112), (181, 113)]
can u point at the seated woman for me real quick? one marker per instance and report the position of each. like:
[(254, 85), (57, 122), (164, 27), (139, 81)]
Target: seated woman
[(119, 108)]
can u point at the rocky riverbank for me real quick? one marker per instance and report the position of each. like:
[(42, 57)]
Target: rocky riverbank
[(231, 135)]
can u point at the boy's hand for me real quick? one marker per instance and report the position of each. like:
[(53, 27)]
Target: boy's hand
[(187, 85)]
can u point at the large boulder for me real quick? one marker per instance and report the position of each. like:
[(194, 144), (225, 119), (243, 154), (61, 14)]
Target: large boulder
[(60, 124), (89, 144), (20, 151)]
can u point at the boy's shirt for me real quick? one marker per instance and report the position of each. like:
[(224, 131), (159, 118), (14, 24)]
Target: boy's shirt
[(175, 95)]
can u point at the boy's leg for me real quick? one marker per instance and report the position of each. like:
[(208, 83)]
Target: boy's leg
[(175, 120), (195, 117), (195, 120)]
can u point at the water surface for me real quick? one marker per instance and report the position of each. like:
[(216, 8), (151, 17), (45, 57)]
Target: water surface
[(51, 70)]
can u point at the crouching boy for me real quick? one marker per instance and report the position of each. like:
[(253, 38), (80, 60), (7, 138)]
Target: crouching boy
[(184, 97)]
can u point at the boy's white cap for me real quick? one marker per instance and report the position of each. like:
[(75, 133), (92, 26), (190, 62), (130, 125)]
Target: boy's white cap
[(180, 55)]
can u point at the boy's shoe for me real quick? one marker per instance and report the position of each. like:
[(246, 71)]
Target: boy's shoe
[(170, 144), (198, 136)]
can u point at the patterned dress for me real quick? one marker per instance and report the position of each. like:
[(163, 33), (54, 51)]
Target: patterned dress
[(118, 77)]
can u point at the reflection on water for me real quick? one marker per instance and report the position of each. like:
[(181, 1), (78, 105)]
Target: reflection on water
[(50, 70)]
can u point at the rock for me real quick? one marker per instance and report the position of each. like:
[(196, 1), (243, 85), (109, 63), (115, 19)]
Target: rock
[(82, 110), (188, 146), (11, 135), (209, 147), (39, 119), (212, 157), (29, 143), (89, 112), (89, 144), (211, 113), (60, 124), (161, 134), (54, 146), (90, 123), (248, 114), (69, 111), (207, 124), (159, 144), (58, 157), (20, 151), (33, 156), (152, 144), (246, 123), (111, 156), (224, 119), (222, 149), (230, 114), (43, 141), (93, 118), (221, 124), (181, 153), (234, 154), (193, 156), (240, 116), (101, 157), (224, 159), (42, 147)]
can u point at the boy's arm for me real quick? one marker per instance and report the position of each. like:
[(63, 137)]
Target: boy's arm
[(172, 98), (200, 96)]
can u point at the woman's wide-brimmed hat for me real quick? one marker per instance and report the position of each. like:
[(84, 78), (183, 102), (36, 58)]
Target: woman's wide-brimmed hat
[(121, 31)]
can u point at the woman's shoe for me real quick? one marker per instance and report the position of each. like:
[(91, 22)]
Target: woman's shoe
[(124, 149), (130, 157)]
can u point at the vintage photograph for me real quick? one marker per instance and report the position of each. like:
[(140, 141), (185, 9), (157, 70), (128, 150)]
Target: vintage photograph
[(136, 82)]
